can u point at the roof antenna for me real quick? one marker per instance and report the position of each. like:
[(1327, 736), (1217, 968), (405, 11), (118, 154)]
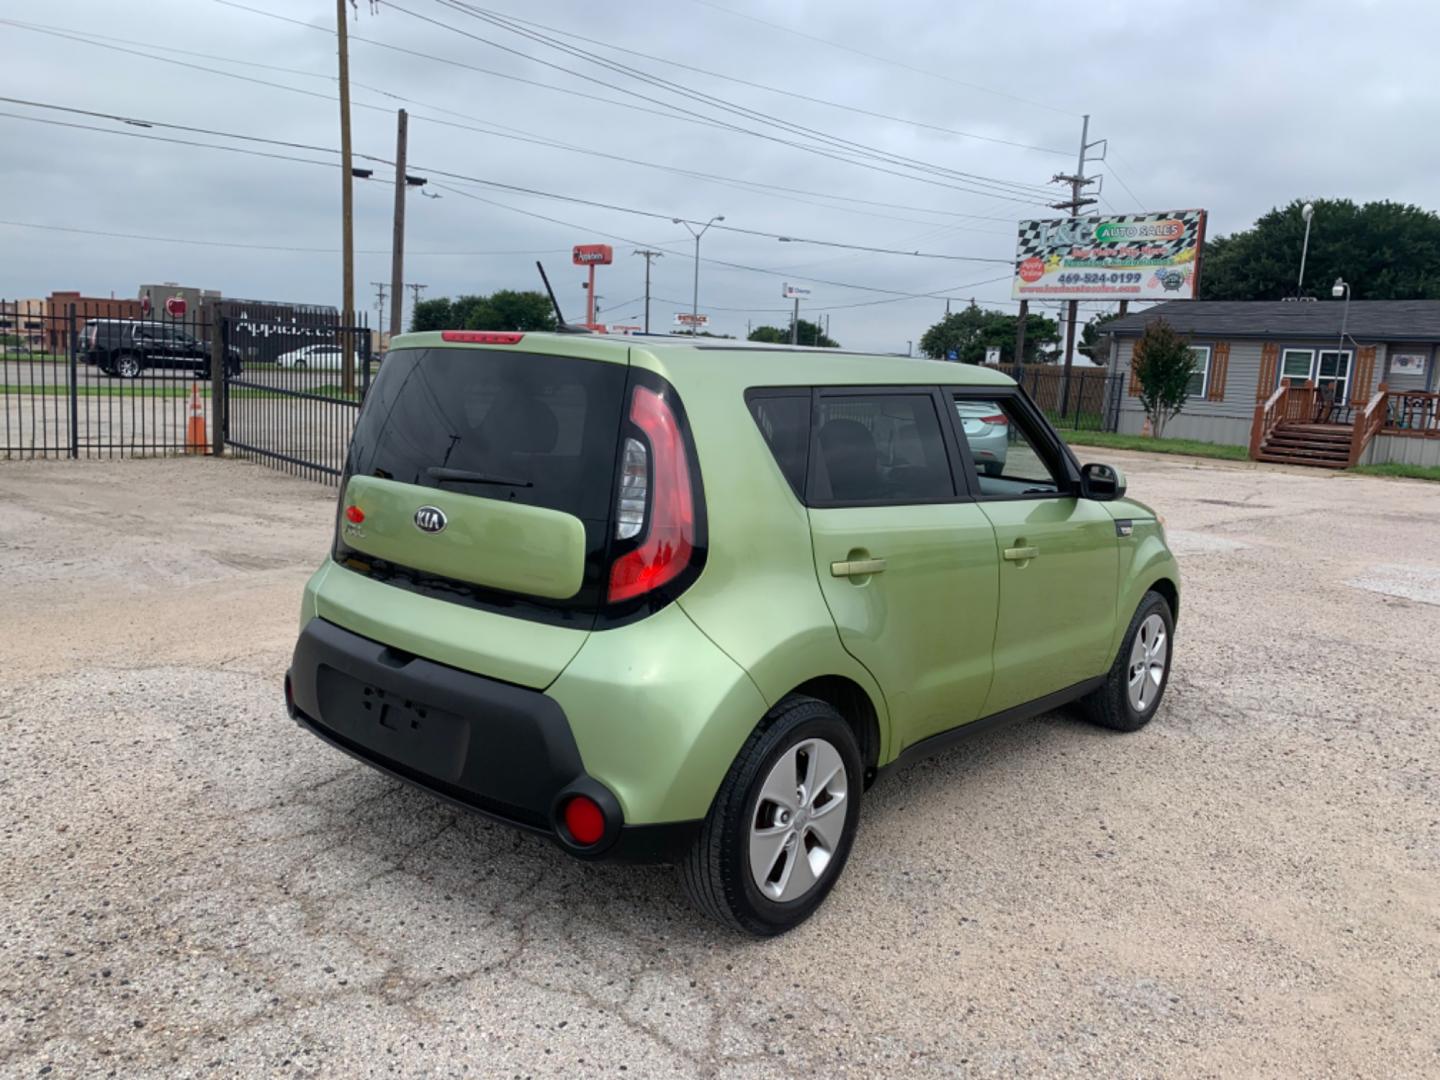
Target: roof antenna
[(561, 326)]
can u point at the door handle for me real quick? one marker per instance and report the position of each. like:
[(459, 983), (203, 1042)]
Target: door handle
[(1021, 554), (856, 567)]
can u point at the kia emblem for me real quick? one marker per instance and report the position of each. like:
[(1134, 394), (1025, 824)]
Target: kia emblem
[(431, 519)]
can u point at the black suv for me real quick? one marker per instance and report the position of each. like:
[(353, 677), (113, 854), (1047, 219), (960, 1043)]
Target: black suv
[(124, 348)]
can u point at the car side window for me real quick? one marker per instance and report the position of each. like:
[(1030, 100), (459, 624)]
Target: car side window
[(784, 420), (877, 448), (1011, 458)]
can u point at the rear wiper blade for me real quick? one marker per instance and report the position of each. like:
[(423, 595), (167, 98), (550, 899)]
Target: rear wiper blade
[(465, 476)]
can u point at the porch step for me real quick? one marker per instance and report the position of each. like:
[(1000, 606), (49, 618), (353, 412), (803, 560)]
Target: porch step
[(1340, 438), (1325, 446), (1314, 462), (1339, 450)]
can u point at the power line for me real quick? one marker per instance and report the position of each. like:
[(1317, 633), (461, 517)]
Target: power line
[(789, 93), (773, 271), (884, 59), (846, 146), (725, 125), (167, 139), (1139, 202), (517, 188), (779, 190), (262, 247)]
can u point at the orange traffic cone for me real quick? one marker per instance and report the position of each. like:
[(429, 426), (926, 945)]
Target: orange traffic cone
[(197, 440)]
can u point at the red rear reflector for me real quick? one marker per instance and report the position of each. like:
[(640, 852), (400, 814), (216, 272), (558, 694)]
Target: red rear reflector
[(584, 820), (667, 546), (481, 337), (354, 514)]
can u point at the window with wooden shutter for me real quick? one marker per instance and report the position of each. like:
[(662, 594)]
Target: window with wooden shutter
[(1269, 360), (1219, 368)]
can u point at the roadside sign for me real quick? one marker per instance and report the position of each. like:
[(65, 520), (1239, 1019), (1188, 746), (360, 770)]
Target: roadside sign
[(691, 322), (794, 292), (951, 354), (592, 255), (1124, 257), (617, 328), (992, 355)]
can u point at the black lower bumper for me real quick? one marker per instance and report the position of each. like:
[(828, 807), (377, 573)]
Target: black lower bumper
[(501, 750)]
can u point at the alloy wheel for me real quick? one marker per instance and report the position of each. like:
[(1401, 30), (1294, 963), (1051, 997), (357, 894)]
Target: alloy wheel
[(799, 820), (1148, 657)]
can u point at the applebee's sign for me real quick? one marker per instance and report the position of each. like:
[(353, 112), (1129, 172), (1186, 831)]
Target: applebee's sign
[(593, 255)]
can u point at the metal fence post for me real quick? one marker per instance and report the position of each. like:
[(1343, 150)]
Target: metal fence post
[(218, 387), (365, 370), (74, 389)]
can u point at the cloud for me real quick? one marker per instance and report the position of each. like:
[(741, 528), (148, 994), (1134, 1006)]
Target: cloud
[(1237, 107)]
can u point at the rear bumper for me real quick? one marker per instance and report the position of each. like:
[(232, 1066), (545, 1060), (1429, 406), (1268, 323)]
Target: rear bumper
[(500, 750)]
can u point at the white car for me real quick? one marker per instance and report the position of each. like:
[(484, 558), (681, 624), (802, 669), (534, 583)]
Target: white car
[(313, 356)]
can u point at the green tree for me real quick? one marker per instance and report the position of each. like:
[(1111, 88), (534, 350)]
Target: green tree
[(1163, 366), (1094, 344), (809, 334), (432, 315), (1385, 250), (970, 331), (507, 309)]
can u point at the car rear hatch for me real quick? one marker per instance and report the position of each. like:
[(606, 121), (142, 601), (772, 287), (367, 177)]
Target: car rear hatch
[(476, 506)]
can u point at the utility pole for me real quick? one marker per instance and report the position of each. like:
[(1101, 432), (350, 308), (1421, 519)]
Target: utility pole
[(415, 291), (397, 245), (795, 322), (648, 254), (1077, 199), (381, 287), (347, 206), (1020, 327)]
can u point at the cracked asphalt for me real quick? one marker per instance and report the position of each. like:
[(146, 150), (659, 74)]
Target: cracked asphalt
[(193, 887)]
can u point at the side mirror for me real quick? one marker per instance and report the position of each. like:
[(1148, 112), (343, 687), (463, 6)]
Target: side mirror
[(1103, 483)]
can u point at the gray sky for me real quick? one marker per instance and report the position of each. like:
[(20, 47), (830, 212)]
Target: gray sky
[(1235, 107)]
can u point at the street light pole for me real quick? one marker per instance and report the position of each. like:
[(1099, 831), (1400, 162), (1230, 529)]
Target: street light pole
[(695, 295), (1339, 289), (1308, 212)]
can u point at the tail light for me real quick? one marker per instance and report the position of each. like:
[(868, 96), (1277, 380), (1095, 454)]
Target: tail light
[(481, 337), (654, 484), (997, 419)]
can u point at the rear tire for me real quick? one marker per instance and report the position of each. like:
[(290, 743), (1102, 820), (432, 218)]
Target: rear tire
[(769, 851), (127, 366), (994, 468), (1136, 682)]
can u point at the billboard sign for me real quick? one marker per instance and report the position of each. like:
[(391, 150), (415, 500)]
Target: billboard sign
[(691, 322), (794, 292), (1125, 257), (592, 255)]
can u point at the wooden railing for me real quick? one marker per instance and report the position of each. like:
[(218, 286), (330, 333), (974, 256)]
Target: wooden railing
[(1288, 404), (1368, 422), (1413, 413)]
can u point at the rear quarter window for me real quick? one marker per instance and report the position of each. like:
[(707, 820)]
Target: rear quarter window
[(784, 422)]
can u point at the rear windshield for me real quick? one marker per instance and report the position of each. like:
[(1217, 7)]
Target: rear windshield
[(495, 424)]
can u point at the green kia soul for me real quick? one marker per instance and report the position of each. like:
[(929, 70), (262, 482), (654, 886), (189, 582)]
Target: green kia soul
[(683, 601)]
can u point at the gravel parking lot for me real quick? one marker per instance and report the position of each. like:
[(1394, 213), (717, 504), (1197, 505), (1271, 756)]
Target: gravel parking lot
[(192, 886)]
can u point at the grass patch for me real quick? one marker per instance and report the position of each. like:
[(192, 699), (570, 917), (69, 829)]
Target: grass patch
[(1147, 445), (1397, 468)]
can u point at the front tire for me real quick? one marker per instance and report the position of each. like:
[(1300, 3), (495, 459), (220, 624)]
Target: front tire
[(1136, 682), (127, 365), (782, 824)]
